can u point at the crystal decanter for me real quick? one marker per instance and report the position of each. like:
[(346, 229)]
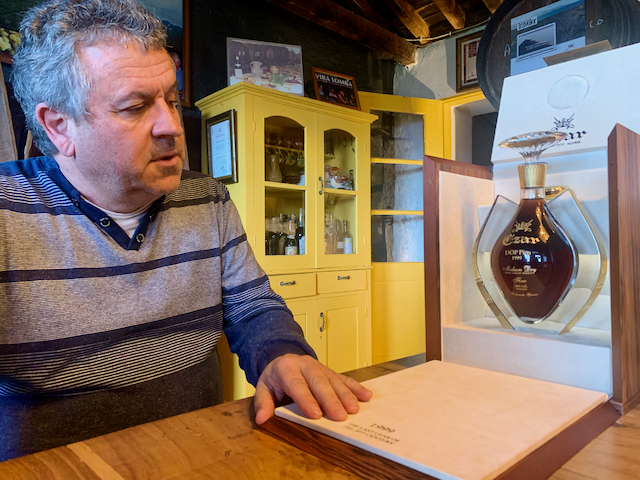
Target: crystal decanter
[(534, 261)]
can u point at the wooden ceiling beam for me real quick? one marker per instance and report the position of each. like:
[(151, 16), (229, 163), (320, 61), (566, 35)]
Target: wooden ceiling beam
[(452, 12), (350, 25), (410, 18), (492, 5), (367, 11)]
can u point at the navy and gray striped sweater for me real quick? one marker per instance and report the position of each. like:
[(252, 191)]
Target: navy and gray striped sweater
[(84, 309)]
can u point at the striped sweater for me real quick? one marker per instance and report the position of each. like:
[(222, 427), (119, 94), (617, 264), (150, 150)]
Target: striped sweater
[(84, 309)]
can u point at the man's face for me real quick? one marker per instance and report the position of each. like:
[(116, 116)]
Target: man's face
[(129, 149)]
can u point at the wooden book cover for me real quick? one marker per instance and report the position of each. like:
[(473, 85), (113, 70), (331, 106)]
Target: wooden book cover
[(455, 422)]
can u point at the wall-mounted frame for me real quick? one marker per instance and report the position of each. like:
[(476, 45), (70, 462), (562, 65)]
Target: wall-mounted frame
[(222, 147), (335, 88), (466, 55), (273, 65), (10, 41), (175, 15)]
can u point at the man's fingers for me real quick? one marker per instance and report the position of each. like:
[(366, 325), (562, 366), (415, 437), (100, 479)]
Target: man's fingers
[(312, 386), (360, 391), (298, 389), (263, 403)]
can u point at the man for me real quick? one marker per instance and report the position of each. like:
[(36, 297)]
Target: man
[(116, 275)]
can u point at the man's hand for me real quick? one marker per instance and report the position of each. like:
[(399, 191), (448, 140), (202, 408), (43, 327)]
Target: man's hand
[(314, 387)]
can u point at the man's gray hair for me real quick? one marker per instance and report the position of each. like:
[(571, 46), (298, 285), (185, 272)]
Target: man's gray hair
[(46, 67)]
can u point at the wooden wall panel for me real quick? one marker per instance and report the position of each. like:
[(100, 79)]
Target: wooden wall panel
[(624, 220), (432, 166)]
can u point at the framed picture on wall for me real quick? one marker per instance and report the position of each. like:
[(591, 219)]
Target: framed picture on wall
[(174, 14), (222, 147), (466, 55), (9, 41), (273, 65), (335, 88)]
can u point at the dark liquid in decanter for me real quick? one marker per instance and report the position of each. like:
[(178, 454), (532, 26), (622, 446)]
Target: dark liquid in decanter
[(534, 261)]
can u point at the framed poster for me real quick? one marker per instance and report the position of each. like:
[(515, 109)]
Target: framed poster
[(556, 28), (273, 65), (9, 41), (222, 147), (466, 55), (335, 88), (174, 14)]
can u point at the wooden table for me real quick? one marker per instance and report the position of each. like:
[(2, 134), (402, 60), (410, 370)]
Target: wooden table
[(222, 442)]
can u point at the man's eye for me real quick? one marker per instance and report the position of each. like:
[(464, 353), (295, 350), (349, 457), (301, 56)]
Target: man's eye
[(173, 103), (134, 108)]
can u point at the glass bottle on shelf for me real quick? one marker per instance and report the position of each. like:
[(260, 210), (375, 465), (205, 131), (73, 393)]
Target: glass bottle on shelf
[(275, 175), (534, 261), (282, 235), (273, 237), (291, 245), (329, 235), (339, 238), (300, 232), (352, 182), (238, 69), (348, 240)]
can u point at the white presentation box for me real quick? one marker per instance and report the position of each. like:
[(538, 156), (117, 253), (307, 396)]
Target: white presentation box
[(584, 98)]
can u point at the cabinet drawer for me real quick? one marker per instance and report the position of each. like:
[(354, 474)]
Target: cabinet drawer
[(345, 281), (294, 285)]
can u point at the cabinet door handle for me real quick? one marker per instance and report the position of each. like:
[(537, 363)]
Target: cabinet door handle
[(344, 278), (322, 317), (321, 185), (292, 282)]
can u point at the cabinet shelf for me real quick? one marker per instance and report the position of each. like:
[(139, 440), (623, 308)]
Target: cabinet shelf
[(341, 191), (284, 186)]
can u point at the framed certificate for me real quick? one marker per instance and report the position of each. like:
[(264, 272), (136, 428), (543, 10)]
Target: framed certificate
[(222, 147)]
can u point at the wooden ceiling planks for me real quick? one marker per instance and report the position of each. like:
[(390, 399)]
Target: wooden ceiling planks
[(410, 18), (393, 28), (350, 25)]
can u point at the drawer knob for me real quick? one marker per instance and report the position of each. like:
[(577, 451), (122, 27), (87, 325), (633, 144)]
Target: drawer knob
[(344, 278), (292, 282)]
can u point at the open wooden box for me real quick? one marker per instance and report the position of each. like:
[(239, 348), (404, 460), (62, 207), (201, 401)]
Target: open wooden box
[(600, 164)]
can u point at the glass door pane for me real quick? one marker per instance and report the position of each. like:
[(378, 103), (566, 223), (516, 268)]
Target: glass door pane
[(284, 194), (397, 135), (340, 187), (284, 151), (339, 160)]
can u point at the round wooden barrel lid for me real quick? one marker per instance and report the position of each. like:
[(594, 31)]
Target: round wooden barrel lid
[(617, 21)]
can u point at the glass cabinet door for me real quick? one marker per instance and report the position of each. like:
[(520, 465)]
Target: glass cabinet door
[(341, 187), (283, 194)]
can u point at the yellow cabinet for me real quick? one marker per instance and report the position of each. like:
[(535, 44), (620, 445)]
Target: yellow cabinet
[(303, 194), (337, 327)]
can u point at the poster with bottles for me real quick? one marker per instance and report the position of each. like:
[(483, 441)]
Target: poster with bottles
[(272, 65)]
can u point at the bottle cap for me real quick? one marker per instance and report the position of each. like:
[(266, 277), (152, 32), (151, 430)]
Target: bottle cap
[(532, 175)]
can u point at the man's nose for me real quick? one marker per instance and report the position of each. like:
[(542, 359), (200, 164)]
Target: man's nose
[(167, 121)]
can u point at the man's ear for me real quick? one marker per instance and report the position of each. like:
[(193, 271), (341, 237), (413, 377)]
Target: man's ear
[(59, 128)]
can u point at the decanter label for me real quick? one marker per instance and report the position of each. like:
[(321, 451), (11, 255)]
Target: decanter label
[(512, 238)]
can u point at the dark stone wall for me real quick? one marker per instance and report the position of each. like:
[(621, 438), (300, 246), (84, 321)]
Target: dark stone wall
[(212, 21)]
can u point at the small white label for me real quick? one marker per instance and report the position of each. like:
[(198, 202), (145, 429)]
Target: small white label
[(301, 245), (348, 245), (291, 250), (340, 246), (529, 22)]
